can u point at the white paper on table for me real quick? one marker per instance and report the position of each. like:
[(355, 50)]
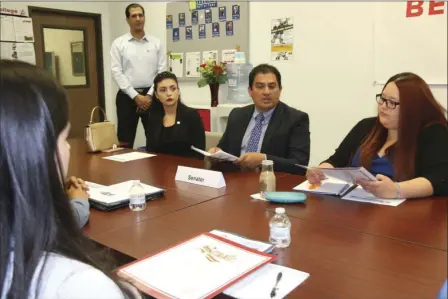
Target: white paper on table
[(25, 52), (329, 186), (7, 28), (258, 197), (23, 28), (197, 268), (210, 55), (129, 156), (254, 244), (193, 63), (177, 64), (259, 284), (219, 155), (359, 194), (228, 56)]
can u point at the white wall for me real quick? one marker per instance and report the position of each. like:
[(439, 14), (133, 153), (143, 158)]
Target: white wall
[(59, 41), (331, 77)]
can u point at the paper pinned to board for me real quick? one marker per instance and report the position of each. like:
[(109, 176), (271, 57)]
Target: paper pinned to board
[(259, 284), (219, 155)]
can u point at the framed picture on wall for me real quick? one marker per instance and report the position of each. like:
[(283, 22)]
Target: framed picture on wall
[(78, 61)]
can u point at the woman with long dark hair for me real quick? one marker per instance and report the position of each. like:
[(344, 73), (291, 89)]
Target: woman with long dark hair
[(172, 127), (43, 252), (405, 146)]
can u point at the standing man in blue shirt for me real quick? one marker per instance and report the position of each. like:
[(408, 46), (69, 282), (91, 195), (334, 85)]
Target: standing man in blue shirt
[(136, 59)]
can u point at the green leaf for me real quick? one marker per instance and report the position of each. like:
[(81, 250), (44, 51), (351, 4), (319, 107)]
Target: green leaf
[(202, 82)]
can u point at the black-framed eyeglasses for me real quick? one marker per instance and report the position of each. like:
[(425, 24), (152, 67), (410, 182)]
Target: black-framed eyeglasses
[(389, 103)]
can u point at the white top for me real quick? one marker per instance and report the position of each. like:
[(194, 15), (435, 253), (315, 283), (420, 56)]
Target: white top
[(64, 278), (135, 63)]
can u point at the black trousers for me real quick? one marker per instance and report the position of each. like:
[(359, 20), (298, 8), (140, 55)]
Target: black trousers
[(128, 117)]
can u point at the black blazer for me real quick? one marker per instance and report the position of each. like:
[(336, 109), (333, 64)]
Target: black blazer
[(188, 130), (286, 141), (431, 157)]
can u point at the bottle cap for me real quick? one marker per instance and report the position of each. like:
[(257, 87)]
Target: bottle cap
[(267, 162), (280, 210)]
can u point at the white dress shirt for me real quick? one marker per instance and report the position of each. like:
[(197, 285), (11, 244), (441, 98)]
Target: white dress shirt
[(135, 63)]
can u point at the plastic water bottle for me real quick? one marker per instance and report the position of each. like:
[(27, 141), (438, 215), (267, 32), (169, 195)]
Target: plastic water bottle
[(137, 197), (238, 82), (280, 227)]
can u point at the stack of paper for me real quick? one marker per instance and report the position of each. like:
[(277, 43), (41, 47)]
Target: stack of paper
[(257, 245), (359, 194), (219, 155), (129, 157), (328, 186)]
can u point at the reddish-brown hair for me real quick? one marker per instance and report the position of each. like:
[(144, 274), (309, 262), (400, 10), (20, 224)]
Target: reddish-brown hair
[(418, 109)]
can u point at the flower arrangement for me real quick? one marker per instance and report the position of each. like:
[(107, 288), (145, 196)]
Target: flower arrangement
[(212, 73)]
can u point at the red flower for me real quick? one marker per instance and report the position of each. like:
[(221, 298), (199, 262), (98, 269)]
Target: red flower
[(203, 65)]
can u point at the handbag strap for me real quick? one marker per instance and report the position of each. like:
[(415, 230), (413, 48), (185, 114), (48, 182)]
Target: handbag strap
[(93, 111)]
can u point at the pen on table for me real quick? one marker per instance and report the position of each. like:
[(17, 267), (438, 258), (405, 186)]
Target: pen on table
[(274, 289)]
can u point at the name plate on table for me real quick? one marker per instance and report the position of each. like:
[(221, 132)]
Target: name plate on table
[(207, 178)]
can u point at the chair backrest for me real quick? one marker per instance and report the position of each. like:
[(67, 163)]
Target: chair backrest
[(212, 139)]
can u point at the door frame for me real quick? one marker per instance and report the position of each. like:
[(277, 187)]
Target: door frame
[(98, 43)]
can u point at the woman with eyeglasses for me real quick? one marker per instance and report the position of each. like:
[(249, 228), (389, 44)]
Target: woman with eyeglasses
[(172, 127), (405, 146)]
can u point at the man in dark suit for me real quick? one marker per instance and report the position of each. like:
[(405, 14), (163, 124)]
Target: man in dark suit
[(268, 129)]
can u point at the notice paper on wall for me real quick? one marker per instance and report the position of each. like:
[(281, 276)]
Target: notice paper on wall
[(18, 51), (193, 62), (210, 56), (7, 28), (228, 56), (177, 64), (23, 28), (282, 39)]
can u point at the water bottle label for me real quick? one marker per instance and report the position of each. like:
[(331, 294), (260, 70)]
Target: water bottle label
[(280, 233), (137, 199), (233, 82)]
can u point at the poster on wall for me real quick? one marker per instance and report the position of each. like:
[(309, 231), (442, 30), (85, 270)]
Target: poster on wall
[(194, 17), (208, 16), (188, 33), (215, 31), (175, 34), (177, 64), (210, 56), (282, 39), (411, 35), (193, 62), (201, 29), (204, 4), (229, 28), (222, 14), (7, 28), (235, 12), (228, 56), (23, 28), (169, 21), (181, 19), (14, 8)]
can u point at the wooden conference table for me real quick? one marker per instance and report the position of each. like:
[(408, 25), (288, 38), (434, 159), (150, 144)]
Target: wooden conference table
[(351, 249)]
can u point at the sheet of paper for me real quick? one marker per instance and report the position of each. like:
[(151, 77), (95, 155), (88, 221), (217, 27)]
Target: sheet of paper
[(258, 197), (8, 51), (228, 56), (259, 284), (177, 64), (329, 186), (197, 268), (25, 52), (129, 157), (345, 174), (359, 194), (210, 55), (193, 62), (23, 28), (219, 155), (7, 28), (257, 245)]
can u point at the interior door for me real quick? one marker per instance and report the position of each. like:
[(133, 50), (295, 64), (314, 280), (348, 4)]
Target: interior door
[(67, 46)]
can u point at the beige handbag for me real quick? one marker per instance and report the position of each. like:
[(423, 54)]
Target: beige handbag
[(102, 135)]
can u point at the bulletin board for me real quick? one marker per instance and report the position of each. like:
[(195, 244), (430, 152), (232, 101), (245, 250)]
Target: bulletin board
[(239, 37)]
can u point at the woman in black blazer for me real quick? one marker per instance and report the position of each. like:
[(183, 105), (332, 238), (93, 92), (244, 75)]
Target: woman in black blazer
[(172, 128), (406, 145)]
